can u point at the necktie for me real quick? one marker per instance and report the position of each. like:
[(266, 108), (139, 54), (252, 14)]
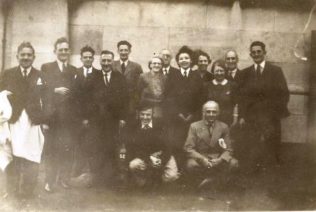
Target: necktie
[(123, 68), (24, 73), (106, 81), (64, 67), (164, 71), (210, 129), (258, 72), (146, 126), (185, 73)]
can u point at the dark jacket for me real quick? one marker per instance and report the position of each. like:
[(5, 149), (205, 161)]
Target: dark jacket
[(27, 94)]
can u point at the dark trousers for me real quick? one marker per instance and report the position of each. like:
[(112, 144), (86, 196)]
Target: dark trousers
[(263, 140), (21, 177), (59, 152)]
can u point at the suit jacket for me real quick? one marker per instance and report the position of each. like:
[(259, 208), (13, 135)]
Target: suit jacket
[(183, 95), (63, 107), (201, 144), (172, 70), (207, 77), (111, 99), (85, 89), (131, 74), (27, 93), (142, 143), (265, 97)]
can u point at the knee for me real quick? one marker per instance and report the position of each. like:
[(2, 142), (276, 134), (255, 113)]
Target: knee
[(136, 165), (192, 165), (171, 172)]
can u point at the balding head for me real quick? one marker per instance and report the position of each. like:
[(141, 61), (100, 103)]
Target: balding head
[(231, 60), (166, 56), (210, 111)]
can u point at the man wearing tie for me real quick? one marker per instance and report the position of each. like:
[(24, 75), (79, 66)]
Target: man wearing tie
[(166, 56), (112, 101), (24, 86), (131, 71), (264, 99), (60, 79), (85, 81)]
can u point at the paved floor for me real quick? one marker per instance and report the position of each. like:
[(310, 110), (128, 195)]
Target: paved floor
[(290, 187)]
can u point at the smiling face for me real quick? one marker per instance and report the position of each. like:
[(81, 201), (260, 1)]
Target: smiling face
[(87, 59), (257, 54), (25, 57), (146, 115), (210, 111), (184, 60), (219, 73), (166, 57), (62, 51), (123, 51), (156, 65), (231, 60), (106, 62), (203, 63)]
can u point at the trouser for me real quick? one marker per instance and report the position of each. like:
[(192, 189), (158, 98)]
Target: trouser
[(263, 141), (21, 177), (59, 153)]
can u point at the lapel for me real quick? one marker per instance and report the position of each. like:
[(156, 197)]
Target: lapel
[(216, 133), (205, 134), (56, 67)]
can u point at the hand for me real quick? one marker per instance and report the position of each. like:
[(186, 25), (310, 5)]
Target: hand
[(242, 121), (62, 91), (189, 118), (155, 162), (181, 116), (216, 161), (206, 163), (85, 123), (122, 124), (8, 93), (141, 165), (45, 128)]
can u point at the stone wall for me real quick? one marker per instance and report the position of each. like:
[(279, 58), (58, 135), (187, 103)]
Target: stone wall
[(151, 25)]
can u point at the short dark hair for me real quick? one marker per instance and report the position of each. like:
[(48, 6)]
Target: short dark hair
[(107, 52), (26, 44), (145, 105), (87, 49), (60, 40), (220, 63), (184, 49), (202, 53), (124, 42), (258, 43)]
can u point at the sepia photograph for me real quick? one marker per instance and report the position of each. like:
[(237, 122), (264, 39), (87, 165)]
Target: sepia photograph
[(157, 105)]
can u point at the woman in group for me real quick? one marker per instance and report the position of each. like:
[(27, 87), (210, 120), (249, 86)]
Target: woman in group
[(221, 91), (182, 101), (151, 86)]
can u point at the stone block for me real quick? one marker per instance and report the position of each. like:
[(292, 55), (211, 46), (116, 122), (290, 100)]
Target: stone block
[(218, 17), (258, 19)]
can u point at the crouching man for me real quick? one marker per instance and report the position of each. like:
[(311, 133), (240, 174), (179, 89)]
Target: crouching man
[(149, 158), (208, 148)]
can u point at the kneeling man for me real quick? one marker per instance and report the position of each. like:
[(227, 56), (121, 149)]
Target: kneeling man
[(148, 155), (208, 147)]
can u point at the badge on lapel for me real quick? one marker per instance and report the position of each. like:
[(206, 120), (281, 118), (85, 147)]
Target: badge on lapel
[(222, 143)]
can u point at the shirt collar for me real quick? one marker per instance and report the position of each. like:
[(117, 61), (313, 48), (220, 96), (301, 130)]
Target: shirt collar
[(109, 72), (28, 70), (262, 65), (209, 124), (224, 82), (125, 62), (60, 64), (187, 71), (150, 124)]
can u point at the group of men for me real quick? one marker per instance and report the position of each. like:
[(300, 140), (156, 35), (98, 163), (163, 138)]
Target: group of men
[(97, 113)]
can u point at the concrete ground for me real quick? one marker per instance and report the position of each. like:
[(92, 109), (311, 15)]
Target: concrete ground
[(289, 187)]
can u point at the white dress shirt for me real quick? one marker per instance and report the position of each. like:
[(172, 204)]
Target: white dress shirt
[(262, 65), (28, 70), (185, 71), (150, 124), (60, 65)]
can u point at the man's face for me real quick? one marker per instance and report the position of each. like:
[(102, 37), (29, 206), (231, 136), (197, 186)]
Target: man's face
[(166, 57), (25, 57), (231, 60), (145, 116), (62, 51), (87, 59), (106, 62), (210, 112), (257, 54), (124, 52), (184, 60), (203, 63), (156, 65)]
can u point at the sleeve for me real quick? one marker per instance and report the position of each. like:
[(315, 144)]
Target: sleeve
[(190, 145)]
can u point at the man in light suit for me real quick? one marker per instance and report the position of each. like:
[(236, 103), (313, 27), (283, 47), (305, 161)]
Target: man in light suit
[(208, 146), (166, 56), (131, 71), (85, 89), (60, 80), (264, 97), (25, 87)]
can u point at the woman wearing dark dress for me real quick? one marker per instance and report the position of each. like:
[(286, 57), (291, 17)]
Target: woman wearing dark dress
[(220, 90)]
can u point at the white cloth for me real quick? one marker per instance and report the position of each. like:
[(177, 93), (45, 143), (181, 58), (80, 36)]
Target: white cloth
[(27, 139), (5, 145)]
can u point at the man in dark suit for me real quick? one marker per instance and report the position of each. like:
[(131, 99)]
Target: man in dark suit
[(183, 99), (166, 56), (203, 61), (24, 85), (112, 101), (264, 99), (131, 71), (87, 77), (60, 79), (148, 153)]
